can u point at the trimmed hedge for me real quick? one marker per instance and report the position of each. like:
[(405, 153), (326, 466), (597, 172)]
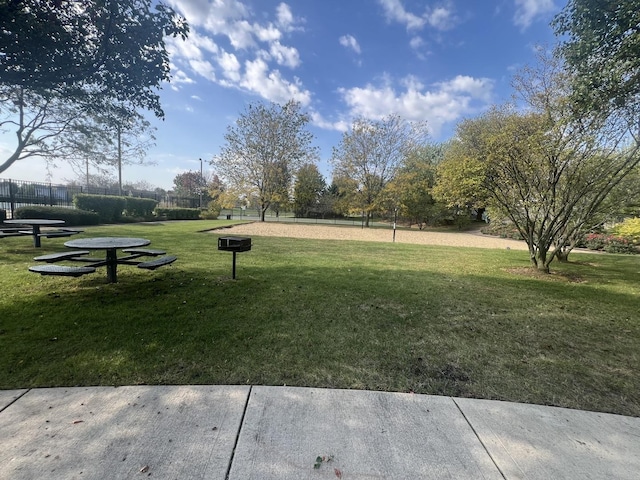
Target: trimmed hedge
[(108, 208), (139, 207), (71, 216), (178, 213)]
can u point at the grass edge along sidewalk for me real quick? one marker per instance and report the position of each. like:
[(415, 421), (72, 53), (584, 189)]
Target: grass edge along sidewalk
[(463, 322)]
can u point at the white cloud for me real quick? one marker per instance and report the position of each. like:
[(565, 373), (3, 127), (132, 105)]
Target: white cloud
[(441, 17), (256, 48), (285, 17), (230, 66), (349, 41), (203, 68), (416, 42), (444, 103), (284, 55), (270, 85), (241, 35), (395, 11), (479, 88), (527, 11), (319, 121), (215, 15), (178, 76)]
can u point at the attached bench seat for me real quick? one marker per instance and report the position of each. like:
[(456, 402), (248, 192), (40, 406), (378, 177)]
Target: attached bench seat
[(59, 233), (62, 232), (55, 257), (158, 262), (145, 251), (10, 229), (4, 234), (61, 270)]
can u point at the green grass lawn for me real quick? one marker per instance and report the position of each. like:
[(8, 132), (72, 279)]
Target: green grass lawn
[(408, 318)]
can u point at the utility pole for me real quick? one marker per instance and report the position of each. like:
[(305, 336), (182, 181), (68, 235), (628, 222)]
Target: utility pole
[(201, 184)]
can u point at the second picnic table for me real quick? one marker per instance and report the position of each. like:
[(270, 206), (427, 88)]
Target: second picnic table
[(35, 224)]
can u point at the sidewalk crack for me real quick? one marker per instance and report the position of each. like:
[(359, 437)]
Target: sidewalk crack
[(479, 439), (235, 444)]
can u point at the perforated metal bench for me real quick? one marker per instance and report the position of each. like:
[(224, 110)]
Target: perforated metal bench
[(158, 262), (145, 251), (61, 270), (55, 257), (63, 232), (10, 234)]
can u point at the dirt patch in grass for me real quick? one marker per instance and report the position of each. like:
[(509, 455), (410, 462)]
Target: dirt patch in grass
[(553, 275)]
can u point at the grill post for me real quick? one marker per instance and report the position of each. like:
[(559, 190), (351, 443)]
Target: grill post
[(234, 245)]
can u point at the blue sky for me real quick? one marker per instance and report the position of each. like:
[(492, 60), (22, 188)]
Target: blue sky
[(439, 61)]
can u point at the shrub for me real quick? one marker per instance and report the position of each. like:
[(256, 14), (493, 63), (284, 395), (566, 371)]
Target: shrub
[(629, 229), (177, 213), (3, 214), (503, 230), (609, 243), (71, 216), (595, 241), (139, 207), (212, 212), (108, 208)]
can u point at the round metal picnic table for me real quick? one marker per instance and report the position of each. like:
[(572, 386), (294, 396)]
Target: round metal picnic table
[(35, 224), (111, 245)]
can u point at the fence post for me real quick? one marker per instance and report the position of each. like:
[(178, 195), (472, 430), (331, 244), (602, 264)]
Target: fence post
[(12, 199)]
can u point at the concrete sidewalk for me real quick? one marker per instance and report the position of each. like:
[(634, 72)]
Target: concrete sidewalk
[(238, 432)]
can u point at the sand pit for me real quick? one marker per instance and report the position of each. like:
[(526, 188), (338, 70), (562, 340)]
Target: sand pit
[(333, 232)]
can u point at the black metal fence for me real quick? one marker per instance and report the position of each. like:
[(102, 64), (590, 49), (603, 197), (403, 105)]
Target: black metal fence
[(18, 193)]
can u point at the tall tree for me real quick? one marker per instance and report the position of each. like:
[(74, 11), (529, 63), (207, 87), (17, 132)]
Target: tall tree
[(264, 146), (64, 59), (189, 184), (370, 154), (307, 190), (544, 169), (601, 44), (411, 189), (110, 139)]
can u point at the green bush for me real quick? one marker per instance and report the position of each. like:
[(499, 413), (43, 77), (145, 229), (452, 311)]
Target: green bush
[(71, 216), (108, 208), (212, 212), (139, 207), (3, 214), (629, 229), (177, 213)]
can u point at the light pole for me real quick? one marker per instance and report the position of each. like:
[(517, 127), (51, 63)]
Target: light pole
[(395, 218), (201, 184)]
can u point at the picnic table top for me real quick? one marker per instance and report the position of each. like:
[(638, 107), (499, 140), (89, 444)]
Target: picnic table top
[(101, 243), (34, 221)]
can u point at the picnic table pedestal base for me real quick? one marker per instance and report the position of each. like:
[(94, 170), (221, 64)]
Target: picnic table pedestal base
[(112, 266)]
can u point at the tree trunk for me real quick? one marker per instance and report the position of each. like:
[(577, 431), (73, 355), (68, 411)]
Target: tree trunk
[(539, 259), (562, 255)]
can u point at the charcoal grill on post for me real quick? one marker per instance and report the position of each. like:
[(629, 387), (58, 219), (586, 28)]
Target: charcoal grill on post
[(235, 245)]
